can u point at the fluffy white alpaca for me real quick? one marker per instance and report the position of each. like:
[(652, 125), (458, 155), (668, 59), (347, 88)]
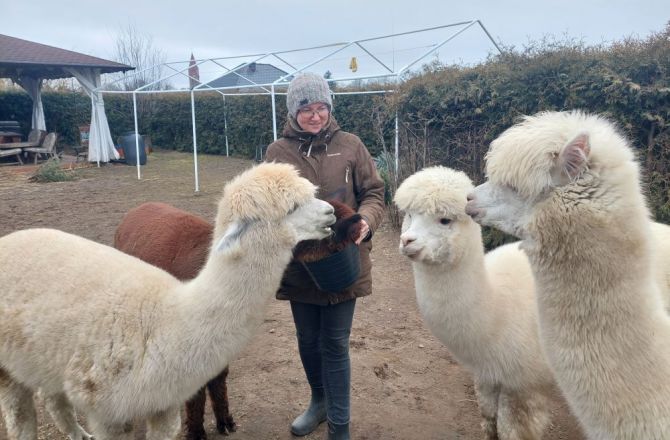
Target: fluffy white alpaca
[(481, 307), (118, 339), (568, 184)]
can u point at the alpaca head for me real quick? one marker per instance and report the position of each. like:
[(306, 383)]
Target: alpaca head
[(271, 194), (549, 155), (435, 227), (346, 229)]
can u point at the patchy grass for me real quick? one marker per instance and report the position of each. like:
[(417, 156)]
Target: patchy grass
[(51, 171)]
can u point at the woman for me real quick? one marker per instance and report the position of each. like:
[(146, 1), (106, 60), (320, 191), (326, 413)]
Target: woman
[(342, 168)]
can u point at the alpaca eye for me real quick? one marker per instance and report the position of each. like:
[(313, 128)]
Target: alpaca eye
[(445, 221)]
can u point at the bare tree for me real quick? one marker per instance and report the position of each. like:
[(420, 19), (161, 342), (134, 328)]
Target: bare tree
[(7, 84), (61, 85), (138, 50), (381, 114)]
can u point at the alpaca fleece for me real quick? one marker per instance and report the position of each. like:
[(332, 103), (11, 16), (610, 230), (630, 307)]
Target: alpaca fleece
[(119, 339), (177, 242), (569, 185), (482, 307)]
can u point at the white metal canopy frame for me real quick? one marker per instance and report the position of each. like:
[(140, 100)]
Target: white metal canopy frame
[(380, 70)]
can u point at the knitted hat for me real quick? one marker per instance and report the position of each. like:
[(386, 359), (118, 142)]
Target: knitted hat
[(306, 89)]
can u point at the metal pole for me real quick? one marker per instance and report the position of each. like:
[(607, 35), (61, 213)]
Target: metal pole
[(137, 137), (436, 47), (225, 124), (195, 143), (274, 113), (396, 148), (490, 37)]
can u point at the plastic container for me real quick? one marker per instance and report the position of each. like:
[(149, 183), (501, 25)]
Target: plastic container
[(130, 151), (338, 271), (84, 135)]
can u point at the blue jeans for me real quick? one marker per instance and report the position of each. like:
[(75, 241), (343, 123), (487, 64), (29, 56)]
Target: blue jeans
[(323, 341)]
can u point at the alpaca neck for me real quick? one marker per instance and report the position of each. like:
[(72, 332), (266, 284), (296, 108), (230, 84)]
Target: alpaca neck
[(452, 296), (601, 316), (211, 318), (586, 274), (592, 259)]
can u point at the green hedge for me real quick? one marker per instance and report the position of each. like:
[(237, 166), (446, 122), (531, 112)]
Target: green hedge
[(451, 114), (448, 115), (167, 118)]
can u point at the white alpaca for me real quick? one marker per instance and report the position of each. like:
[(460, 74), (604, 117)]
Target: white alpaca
[(118, 339), (568, 184), (482, 308)]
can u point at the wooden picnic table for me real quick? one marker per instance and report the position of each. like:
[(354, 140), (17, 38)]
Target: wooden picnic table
[(10, 145), (9, 136)]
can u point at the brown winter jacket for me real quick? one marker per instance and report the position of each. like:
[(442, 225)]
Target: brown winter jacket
[(342, 168)]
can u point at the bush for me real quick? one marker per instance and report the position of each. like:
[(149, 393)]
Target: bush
[(51, 171), (448, 114)]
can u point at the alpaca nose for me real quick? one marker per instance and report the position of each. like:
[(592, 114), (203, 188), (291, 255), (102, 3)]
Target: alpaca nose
[(470, 208), (407, 240)]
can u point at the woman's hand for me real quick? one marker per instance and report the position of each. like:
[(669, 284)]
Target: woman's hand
[(365, 230)]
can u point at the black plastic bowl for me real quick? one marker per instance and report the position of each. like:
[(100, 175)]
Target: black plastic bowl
[(338, 271)]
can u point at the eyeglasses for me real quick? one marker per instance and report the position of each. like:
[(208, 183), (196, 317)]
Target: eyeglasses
[(309, 113)]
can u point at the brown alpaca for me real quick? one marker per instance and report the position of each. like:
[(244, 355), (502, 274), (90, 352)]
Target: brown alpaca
[(177, 242), (345, 230)]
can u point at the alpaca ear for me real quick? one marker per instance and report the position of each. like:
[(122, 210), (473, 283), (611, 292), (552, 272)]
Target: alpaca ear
[(231, 238), (574, 157)]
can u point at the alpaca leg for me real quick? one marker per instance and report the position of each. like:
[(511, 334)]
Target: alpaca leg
[(218, 394), (195, 416), (164, 425), (110, 431), (64, 416), (522, 417), (18, 408), (487, 397), (538, 414)]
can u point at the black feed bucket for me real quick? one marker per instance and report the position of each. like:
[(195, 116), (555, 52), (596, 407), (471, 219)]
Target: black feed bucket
[(338, 271), (130, 149)]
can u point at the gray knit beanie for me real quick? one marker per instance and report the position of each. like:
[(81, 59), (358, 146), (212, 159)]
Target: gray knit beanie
[(306, 89)]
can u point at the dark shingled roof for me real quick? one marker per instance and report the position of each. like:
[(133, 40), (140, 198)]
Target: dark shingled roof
[(246, 75), (40, 60)]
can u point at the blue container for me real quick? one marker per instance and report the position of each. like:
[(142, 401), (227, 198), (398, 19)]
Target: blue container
[(130, 151)]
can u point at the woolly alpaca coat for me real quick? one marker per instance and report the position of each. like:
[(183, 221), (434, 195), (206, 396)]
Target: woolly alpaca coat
[(119, 336), (573, 192), (177, 242)]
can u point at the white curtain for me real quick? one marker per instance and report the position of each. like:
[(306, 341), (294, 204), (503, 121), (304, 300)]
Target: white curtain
[(34, 88), (100, 143)]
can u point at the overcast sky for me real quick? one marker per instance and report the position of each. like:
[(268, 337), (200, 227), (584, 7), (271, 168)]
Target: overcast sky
[(223, 28)]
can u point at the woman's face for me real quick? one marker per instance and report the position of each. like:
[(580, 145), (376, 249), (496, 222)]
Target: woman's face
[(313, 117)]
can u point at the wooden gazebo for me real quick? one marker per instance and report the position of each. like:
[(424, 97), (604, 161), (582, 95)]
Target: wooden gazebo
[(29, 64)]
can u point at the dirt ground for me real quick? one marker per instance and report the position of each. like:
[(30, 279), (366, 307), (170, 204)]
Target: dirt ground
[(405, 385)]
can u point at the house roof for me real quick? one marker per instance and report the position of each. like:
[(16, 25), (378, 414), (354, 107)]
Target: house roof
[(245, 75), (24, 57)]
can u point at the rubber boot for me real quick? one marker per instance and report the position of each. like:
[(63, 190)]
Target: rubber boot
[(313, 416), (338, 432)]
